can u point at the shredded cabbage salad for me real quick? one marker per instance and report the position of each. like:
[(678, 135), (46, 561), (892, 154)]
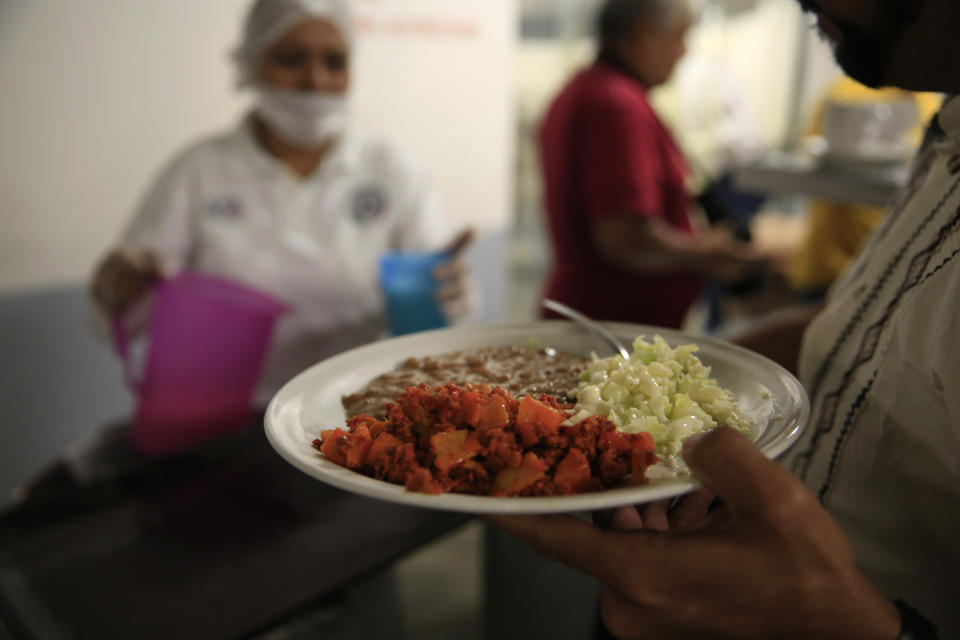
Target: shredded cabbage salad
[(665, 391)]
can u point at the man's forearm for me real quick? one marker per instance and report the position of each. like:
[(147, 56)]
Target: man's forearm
[(635, 242), (779, 334)]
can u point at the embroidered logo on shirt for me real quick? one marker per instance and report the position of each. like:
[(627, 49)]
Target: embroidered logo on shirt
[(369, 203), (224, 207)]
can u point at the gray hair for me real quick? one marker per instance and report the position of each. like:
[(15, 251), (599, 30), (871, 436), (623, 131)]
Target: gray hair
[(617, 18)]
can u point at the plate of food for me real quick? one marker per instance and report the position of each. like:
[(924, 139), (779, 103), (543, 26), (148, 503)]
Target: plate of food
[(527, 418)]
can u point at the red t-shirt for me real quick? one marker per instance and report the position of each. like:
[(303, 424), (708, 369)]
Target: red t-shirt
[(603, 153)]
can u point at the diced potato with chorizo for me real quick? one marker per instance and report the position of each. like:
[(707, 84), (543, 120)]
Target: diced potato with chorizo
[(482, 440)]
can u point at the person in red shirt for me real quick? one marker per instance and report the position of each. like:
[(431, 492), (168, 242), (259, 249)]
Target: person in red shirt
[(625, 246)]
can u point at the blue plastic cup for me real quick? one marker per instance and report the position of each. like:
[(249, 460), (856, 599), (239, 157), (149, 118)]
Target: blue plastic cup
[(410, 291)]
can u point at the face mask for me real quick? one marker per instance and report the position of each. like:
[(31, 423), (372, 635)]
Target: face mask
[(303, 119)]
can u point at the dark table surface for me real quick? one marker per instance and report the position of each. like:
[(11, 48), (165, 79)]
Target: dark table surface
[(219, 542)]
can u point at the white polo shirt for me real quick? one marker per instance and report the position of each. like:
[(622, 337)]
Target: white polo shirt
[(227, 207), (882, 365)]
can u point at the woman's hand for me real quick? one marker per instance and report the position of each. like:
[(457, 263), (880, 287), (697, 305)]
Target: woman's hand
[(124, 276), (770, 564), (456, 291)]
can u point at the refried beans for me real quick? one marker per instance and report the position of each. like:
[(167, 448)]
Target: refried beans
[(519, 370)]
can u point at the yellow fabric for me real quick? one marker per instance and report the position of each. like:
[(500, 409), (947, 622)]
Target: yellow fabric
[(836, 231), (849, 91)]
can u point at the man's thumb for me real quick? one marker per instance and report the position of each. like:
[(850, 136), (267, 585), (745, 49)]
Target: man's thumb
[(729, 464)]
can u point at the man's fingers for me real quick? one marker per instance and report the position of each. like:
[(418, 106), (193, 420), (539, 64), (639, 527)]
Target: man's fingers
[(625, 519), (605, 555), (654, 515), (729, 464), (691, 510), (561, 537)]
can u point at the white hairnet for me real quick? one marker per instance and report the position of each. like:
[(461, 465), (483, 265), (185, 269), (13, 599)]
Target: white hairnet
[(269, 20)]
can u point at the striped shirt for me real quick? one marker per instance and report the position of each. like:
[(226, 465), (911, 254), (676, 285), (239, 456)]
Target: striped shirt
[(882, 366)]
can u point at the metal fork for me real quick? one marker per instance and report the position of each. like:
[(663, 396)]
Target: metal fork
[(584, 321)]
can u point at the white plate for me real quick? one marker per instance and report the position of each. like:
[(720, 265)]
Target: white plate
[(771, 397)]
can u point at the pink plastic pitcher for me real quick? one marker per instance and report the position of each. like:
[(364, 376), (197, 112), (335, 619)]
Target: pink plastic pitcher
[(208, 338)]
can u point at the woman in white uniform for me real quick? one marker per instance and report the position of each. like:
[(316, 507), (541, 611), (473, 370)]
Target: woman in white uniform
[(293, 202)]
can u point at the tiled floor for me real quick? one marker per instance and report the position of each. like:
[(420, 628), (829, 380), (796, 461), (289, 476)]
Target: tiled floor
[(480, 583), (435, 593), (440, 588)]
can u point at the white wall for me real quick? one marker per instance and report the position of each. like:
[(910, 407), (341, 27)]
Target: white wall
[(756, 49), (437, 76), (98, 94)]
